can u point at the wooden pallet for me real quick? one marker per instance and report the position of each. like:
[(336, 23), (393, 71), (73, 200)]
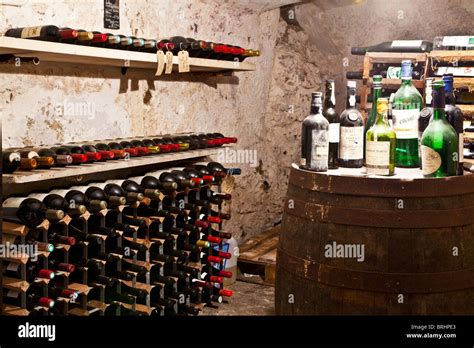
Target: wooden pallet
[(258, 258)]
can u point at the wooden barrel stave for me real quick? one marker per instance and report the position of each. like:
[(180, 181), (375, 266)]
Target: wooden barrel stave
[(415, 262)]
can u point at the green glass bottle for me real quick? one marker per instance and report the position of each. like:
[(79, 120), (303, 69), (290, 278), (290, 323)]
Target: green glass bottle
[(380, 143), (376, 94), (439, 143), (329, 111), (406, 107)]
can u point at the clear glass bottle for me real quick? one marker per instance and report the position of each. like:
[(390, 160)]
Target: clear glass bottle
[(380, 143), (376, 94)]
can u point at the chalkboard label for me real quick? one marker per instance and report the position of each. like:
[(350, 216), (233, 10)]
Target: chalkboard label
[(111, 14)]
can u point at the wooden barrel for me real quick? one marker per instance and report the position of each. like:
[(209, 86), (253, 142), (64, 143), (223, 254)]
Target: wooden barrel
[(357, 245)]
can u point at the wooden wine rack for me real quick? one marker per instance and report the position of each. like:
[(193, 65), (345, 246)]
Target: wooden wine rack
[(84, 305)]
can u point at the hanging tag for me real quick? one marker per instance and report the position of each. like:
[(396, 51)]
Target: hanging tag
[(160, 58), (186, 61), (181, 62), (169, 62)]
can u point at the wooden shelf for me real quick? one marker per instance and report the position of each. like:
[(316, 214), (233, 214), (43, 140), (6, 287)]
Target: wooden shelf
[(15, 311), (15, 284), (391, 57), (395, 83), (21, 177), (464, 83), (447, 56), (77, 54), (467, 110)]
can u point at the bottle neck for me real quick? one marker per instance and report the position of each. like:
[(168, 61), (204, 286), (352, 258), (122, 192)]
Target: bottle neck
[(351, 98), (439, 103), (377, 94), (450, 98), (315, 105), (382, 117), (330, 96), (429, 96)]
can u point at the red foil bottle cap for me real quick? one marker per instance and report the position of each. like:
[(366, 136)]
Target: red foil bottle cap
[(67, 240), (79, 158), (200, 223), (208, 178), (225, 274), (214, 239), (68, 33), (176, 146), (66, 267), (99, 38), (225, 255), (214, 259), (133, 152), (143, 150), (107, 154), (46, 302), (93, 156), (46, 274), (166, 147), (214, 279), (226, 292), (67, 293), (197, 181), (214, 219)]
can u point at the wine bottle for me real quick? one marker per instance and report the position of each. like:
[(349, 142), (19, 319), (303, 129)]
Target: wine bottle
[(165, 45), (380, 138), (376, 94), (56, 202), (140, 151), (426, 113), (150, 181), (351, 146), (454, 43), (33, 300), (76, 198), (61, 266), (387, 71), (29, 211), (406, 108), (330, 113), (315, 138), (116, 193), (151, 146), (33, 271), (82, 236), (96, 193), (142, 148), (455, 117), (439, 143), (118, 154), (42, 162), (132, 152), (218, 170), (133, 191), (174, 177), (395, 46), (91, 156), (161, 144), (77, 158), (105, 155), (193, 172), (44, 33), (33, 240), (10, 161)]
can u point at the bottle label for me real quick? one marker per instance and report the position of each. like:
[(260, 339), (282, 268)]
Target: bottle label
[(394, 72), (377, 157), (461, 148), (407, 43), (13, 202), (31, 32), (462, 41), (405, 123), (430, 160), (456, 71), (319, 149), (334, 129), (352, 143)]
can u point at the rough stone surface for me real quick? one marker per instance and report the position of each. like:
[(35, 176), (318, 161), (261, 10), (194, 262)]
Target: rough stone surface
[(248, 299)]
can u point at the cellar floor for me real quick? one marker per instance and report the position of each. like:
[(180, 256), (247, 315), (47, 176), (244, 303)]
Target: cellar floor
[(248, 299)]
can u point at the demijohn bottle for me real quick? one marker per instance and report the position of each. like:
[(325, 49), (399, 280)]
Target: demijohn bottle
[(315, 137), (439, 143), (351, 144), (455, 117), (380, 143), (329, 111), (406, 107), (376, 94)]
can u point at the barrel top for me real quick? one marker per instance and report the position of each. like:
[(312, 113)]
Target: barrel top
[(407, 182)]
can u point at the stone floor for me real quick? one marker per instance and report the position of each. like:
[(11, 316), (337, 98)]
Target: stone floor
[(248, 299)]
